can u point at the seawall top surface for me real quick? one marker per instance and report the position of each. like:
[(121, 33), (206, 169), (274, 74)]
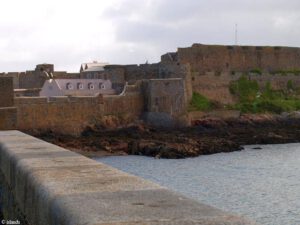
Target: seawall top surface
[(52, 185)]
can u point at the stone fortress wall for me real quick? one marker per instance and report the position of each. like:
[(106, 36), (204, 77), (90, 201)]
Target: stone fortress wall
[(118, 74), (210, 67), (158, 93), (214, 67), (164, 101), (71, 115), (206, 58)]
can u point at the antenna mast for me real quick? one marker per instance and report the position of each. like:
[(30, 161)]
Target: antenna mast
[(236, 34)]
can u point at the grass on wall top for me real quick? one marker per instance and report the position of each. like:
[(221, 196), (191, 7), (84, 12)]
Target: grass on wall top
[(254, 100), (200, 103)]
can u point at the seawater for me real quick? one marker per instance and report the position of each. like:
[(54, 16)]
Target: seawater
[(263, 185)]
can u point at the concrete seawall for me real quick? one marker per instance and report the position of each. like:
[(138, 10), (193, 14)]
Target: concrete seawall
[(45, 184)]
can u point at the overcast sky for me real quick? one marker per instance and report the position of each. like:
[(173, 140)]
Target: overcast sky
[(68, 33)]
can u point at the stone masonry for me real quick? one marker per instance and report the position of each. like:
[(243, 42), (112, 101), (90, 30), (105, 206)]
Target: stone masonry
[(206, 69), (43, 184), (165, 102), (8, 113), (214, 67), (6, 90), (208, 58)]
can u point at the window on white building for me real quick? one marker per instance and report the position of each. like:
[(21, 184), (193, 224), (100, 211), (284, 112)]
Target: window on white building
[(80, 86), (69, 86), (91, 86), (101, 86)]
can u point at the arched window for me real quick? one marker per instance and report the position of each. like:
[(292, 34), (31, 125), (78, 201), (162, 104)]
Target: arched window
[(101, 86), (91, 86), (80, 86), (69, 86)]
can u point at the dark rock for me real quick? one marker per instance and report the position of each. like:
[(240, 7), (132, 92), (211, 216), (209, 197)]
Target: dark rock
[(209, 136)]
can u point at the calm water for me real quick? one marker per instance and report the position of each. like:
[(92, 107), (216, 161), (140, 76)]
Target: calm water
[(261, 184)]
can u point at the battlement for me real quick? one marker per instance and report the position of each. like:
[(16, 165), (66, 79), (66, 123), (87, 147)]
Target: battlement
[(203, 58)]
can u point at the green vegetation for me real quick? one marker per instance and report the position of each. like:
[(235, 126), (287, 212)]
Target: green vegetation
[(254, 100), (272, 106), (245, 89), (290, 85), (257, 71), (295, 72), (200, 103)]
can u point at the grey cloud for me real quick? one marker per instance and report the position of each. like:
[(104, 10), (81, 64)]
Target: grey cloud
[(177, 9), (125, 9), (144, 30), (173, 23)]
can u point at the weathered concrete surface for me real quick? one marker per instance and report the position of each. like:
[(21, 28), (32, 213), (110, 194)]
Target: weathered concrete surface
[(51, 185)]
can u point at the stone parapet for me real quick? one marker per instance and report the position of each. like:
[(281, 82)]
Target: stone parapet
[(44, 184)]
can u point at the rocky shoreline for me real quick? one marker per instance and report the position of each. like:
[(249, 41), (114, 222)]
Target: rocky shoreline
[(206, 136)]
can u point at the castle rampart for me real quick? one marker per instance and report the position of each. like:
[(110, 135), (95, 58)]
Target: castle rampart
[(214, 67), (206, 69), (71, 115), (207, 58)]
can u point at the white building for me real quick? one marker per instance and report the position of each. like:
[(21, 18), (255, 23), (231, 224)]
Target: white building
[(94, 66), (76, 87)]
